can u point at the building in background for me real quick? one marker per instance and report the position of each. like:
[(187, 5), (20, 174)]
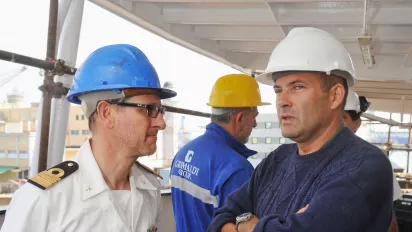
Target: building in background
[(265, 137), (18, 130)]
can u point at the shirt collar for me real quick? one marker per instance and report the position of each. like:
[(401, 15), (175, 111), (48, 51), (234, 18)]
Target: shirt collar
[(91, 178), (143, 179)]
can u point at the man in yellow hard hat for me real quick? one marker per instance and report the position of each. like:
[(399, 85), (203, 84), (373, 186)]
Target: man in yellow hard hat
[(209, 168)]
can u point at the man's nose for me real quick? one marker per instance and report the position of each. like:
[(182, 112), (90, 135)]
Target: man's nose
[(283, 100), (159, 122)]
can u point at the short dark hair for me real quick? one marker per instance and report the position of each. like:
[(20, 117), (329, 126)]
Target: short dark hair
[(328, 81), (354, 115)]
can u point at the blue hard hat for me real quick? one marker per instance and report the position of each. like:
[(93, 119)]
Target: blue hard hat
[(116, 67)]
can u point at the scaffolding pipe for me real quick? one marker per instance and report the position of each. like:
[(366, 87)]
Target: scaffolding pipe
[(70, 20), (48, 79), (33, 62), (186, 111), (380, 119)]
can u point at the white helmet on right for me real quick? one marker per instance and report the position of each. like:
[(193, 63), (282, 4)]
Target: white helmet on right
[(356, 103), (309, 49), (352, 102)]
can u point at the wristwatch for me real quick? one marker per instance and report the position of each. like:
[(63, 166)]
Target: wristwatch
[(244, 217)]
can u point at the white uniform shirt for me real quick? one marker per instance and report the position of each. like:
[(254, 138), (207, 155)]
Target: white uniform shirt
[(122, 201), (81, 202)]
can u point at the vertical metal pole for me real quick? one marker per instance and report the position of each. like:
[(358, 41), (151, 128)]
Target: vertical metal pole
[(409, 153), (17, 152), (48, 79), (17, 157), (70, 21), (389, 131)]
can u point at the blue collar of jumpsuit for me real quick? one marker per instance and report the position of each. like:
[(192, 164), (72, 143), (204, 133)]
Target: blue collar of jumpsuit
[(216, 130)]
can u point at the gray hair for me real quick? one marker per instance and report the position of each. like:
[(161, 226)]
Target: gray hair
[(224, 115), (92, 117)]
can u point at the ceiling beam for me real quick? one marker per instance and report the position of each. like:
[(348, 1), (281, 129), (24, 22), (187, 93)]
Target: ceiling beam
[(380, 33), (398, 92), (385, 96), (219, 16), (276, 33), (146, 15), (386, 68), (272, 10), (353, 47), (408, 59), (247, 46), (254, 1), (286, 14), (239, 33), (343, 13), (390, 105), (393, 85)]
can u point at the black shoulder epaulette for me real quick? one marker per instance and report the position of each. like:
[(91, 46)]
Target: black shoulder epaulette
[(148, 169), (50, 177)]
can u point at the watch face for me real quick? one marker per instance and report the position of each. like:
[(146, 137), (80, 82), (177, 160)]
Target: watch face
[(244, 217)]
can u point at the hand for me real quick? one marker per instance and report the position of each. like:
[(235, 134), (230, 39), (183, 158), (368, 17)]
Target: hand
[(302, 210), (248, 226), (228, 227)]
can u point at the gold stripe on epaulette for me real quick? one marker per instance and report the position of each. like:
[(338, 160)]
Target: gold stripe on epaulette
[(48, 178), (148, 169)]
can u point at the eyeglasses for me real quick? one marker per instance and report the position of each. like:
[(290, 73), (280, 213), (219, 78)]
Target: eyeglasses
[(152, 110)]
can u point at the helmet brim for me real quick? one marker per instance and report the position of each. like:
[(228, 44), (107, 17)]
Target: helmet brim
[(163, 94)]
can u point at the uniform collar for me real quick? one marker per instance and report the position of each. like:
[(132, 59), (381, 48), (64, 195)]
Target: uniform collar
[(231, 141), (91, 178), (142, 179)]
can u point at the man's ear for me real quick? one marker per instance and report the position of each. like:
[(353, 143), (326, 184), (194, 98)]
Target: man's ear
[(239, 117), (104, 112), (336, 96)]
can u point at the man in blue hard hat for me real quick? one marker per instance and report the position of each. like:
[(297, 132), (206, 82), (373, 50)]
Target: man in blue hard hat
[(103, 188)]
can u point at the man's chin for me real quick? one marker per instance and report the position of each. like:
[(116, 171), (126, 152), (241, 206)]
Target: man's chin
[(148, 151), (289, 134)]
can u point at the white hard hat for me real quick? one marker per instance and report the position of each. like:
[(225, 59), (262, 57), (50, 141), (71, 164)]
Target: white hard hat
[(309, 49), (352, 102)]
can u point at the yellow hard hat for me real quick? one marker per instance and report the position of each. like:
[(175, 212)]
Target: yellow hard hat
[(235, 91)]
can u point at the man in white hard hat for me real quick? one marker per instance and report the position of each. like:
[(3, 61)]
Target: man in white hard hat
[(354, 108), (330, 180)]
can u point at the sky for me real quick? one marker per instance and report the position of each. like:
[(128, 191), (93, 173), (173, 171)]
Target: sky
[(192, 74)]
